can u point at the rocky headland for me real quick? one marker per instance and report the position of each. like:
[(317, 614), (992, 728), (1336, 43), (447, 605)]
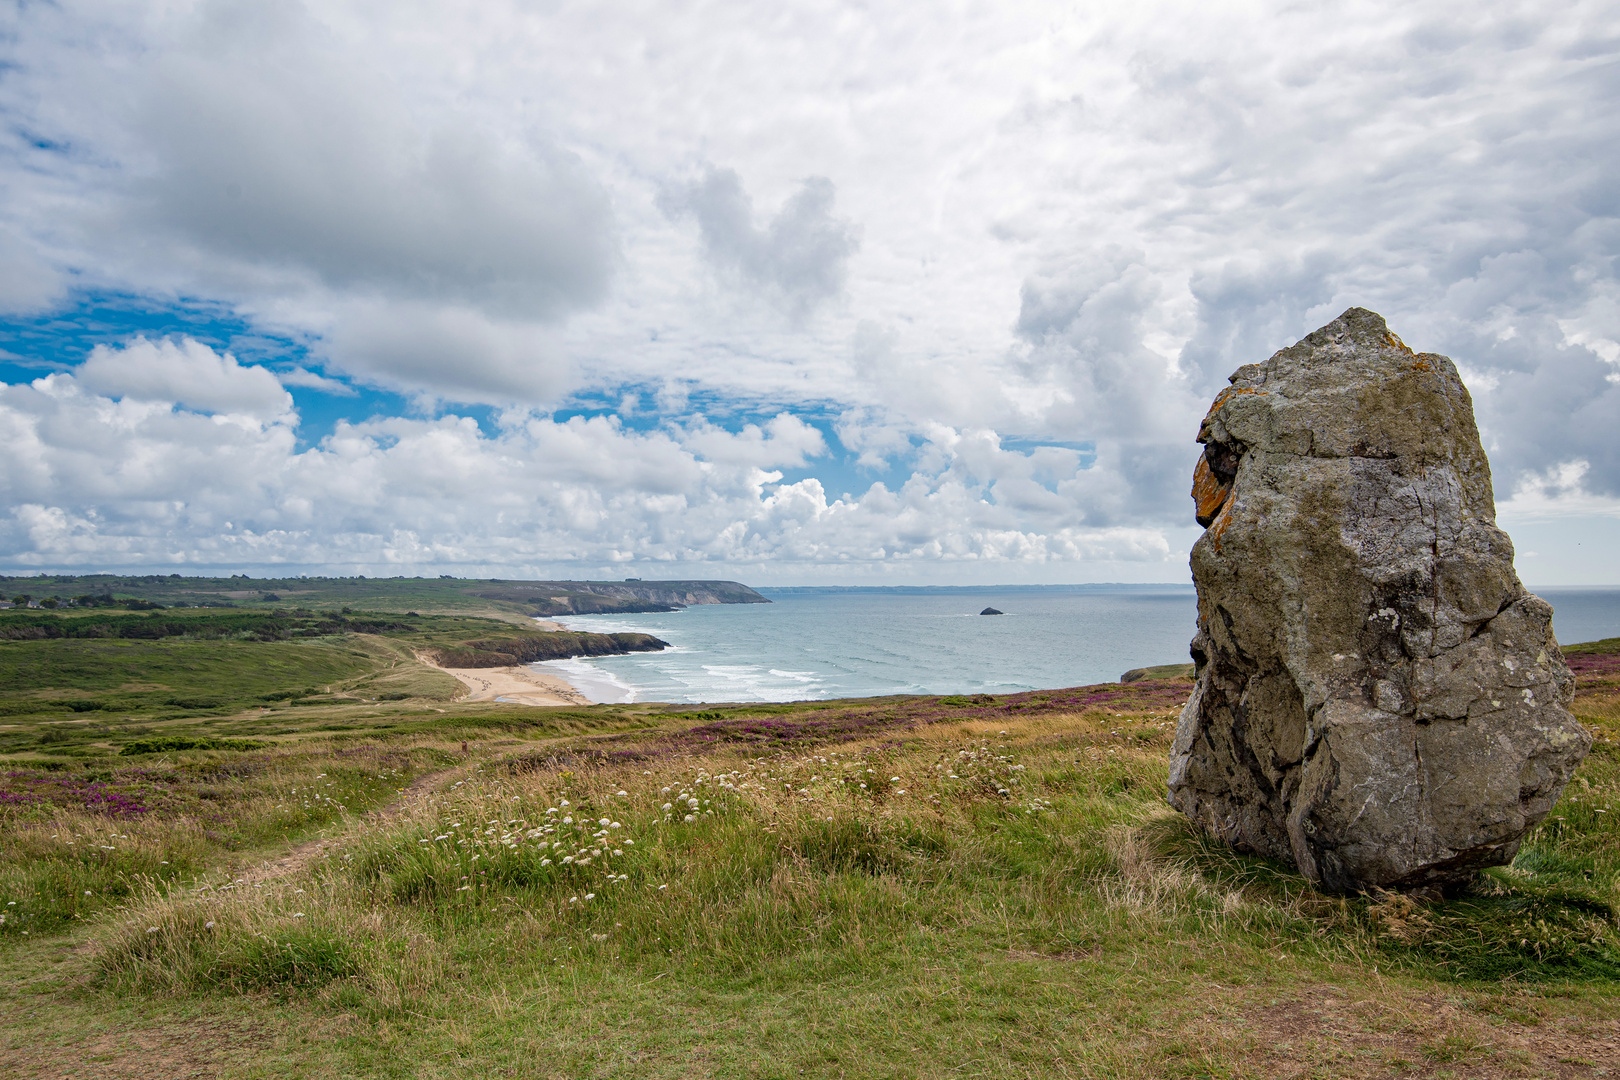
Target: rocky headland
[(545, 598)]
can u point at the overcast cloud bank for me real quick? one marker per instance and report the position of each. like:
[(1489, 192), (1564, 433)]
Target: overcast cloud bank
[(792, 293)]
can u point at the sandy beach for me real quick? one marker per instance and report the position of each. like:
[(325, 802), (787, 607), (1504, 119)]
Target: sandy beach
[(517, 685)]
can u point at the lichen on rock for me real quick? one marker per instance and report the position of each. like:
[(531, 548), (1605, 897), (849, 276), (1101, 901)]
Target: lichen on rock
[(1379, 700)]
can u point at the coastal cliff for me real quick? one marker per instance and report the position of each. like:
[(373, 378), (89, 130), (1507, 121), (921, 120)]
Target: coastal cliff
[(602, 597), (530, 648)]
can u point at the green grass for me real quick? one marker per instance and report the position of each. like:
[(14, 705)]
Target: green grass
[(892, 887), (102, 683)]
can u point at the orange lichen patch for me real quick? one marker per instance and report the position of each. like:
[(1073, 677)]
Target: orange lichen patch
[(1389, 336), (1208, 493), (1218, 528)]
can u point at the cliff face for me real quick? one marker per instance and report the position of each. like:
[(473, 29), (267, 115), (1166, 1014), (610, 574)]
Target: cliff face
[(594, 597), (511, 652)]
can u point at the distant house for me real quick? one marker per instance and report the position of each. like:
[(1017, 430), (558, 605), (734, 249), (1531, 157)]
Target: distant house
[(5, 605), (33, 603)]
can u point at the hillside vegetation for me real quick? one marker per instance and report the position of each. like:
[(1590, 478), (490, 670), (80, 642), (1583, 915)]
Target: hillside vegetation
[(79, 684), (897, 887)]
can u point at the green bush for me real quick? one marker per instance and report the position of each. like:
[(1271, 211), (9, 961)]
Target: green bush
[(164, 744)]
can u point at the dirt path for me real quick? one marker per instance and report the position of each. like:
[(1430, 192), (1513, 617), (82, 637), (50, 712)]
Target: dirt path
[(303, 856)]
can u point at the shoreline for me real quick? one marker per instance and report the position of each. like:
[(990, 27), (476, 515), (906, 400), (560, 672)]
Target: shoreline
[(518, 685), (513, 685)]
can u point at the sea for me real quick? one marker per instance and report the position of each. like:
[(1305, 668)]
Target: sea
[(813, 644)]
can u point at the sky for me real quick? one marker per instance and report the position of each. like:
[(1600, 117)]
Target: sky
[(800, 292)]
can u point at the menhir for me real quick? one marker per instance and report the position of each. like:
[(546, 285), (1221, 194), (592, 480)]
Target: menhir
[(1379, 700)]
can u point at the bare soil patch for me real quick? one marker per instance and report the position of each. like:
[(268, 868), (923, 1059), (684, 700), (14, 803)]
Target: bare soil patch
[(1323, 1031), (195, 1048)]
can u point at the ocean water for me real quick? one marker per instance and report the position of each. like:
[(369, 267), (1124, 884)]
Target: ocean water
[(815, 644)]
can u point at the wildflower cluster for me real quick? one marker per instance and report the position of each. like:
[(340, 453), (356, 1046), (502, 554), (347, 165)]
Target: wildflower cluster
[(465, 848), (984, 769), (801, 779), (686, 801)]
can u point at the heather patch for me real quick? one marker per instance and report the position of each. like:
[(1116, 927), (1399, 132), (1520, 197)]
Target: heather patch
[(1596, 666), (127, 793), (839, 721)]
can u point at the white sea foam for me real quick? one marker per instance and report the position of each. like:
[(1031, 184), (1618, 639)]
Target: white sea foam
[(599, 685)]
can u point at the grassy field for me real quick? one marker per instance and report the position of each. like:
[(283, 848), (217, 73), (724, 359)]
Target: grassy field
[(957, 886), (80, 685)]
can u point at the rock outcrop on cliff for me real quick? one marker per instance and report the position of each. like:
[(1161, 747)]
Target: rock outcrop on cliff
[(601, 597), (1379, 700)]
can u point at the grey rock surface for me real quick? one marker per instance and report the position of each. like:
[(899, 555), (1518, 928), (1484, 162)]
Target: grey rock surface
[(1379, 700)]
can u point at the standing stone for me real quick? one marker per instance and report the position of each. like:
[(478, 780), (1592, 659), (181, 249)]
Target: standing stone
[(1379, 701)]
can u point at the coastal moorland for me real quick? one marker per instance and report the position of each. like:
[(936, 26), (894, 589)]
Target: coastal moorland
[(512, 600), (278, 840)]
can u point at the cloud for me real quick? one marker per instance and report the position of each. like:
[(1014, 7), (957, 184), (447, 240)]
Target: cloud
[(1071, 228), (186, 373), (133, 481), (272, 145), (447, 351), (260, 156), (310, 380), (785, 440), (28, 284), (799, 257)]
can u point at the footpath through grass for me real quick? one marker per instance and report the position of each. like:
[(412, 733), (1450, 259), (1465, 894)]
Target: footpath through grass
[(899, 887)]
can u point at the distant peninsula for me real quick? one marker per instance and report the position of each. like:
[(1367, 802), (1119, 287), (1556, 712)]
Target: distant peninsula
[(449, 595), (632, 594)]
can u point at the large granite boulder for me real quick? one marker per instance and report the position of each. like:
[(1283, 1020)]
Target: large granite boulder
[(1379, 701)]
